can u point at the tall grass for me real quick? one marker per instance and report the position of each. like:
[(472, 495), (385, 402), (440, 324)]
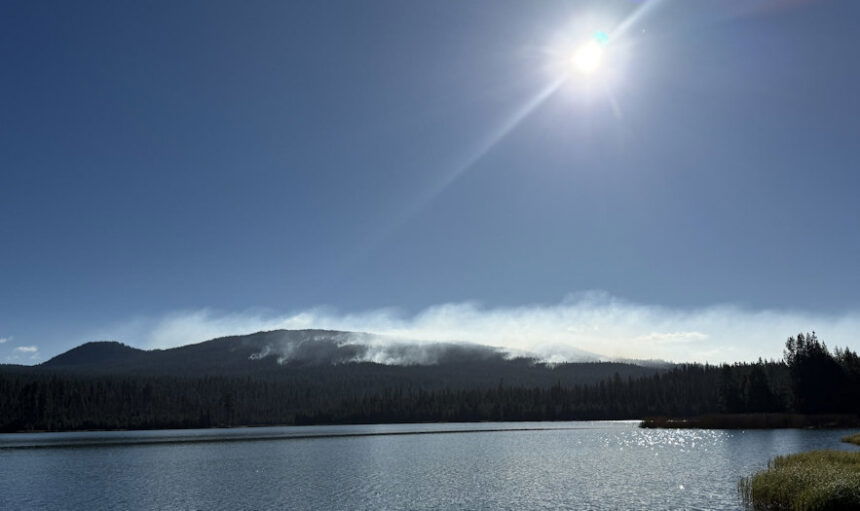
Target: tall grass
[(810, 481)]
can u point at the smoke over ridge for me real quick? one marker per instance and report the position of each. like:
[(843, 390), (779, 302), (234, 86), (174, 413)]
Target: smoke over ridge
[(575, 329), (327, 347)]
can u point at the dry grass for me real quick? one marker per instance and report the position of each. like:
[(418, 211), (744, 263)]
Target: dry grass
[(810, 481)]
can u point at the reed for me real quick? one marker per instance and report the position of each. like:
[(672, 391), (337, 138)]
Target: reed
[(810, 481)]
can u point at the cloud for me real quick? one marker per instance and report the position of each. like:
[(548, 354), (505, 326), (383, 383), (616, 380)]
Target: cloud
[(4, 340), (673, 337), (20, 351), (592, 322)]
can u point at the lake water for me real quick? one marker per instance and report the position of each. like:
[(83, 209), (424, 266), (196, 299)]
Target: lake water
[(484, 466)]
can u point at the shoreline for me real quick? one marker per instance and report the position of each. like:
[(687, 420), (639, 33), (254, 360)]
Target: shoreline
[(708, 421), (754, 421), (182, 436), (303, 425)]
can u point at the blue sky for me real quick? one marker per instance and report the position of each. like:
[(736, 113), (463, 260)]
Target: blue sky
[(167, 160)]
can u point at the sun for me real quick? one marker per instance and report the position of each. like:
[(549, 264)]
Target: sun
[(588, 58)]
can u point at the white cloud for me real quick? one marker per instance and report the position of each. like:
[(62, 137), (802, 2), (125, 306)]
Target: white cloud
[(673, 337), (4, 340), (22, 351), (594, 322)]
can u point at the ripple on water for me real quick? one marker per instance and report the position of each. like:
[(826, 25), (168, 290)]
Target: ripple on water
[(597, 466)]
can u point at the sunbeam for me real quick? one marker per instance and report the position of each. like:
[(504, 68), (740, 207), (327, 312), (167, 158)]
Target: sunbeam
[(634, 17), (585, 61), (582, 63), (481, 150)]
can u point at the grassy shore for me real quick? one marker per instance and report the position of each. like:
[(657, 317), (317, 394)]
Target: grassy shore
[(754, 421), (852, 439), (817, 480)]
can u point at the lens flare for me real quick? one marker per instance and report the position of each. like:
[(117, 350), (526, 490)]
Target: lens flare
[(588, 58)]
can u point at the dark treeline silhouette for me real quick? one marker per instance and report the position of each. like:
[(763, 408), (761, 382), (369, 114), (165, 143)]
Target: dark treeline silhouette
[(810, 379)]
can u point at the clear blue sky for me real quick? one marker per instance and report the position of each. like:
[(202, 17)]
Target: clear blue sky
[(164, 156)]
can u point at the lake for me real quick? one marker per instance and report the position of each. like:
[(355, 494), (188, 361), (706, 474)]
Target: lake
[(478, 466)]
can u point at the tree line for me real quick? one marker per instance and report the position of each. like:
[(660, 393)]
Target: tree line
[(809, 379)]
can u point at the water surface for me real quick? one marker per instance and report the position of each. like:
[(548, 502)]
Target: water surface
[(477, 466)]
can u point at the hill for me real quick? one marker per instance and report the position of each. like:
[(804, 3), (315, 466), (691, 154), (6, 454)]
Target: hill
[(326, 377), (304, 377), (326, 354)]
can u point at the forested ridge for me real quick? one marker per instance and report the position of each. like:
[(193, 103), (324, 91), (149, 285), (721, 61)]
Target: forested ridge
[(810, 379)]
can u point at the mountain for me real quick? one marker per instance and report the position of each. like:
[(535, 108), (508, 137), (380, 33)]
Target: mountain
[(317, 377), (94, 354), (328, 377), (263, 351), (326, 355)]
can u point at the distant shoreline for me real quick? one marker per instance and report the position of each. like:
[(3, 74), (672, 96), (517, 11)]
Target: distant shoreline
[(755, 421), (210, 436), (709, 421), (321, 424)]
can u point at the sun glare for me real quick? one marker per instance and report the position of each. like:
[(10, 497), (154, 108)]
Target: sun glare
[(588, 58)]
